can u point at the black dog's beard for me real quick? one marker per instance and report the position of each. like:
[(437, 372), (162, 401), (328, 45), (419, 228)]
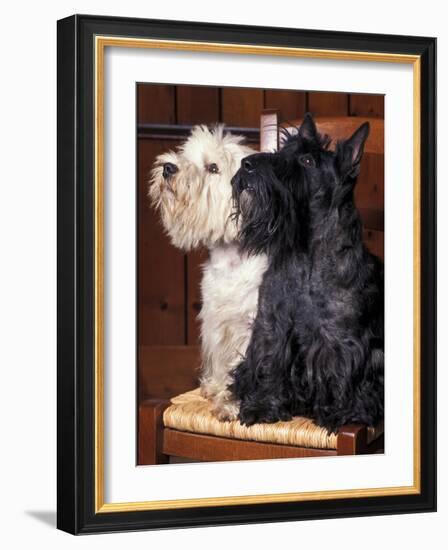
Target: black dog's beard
[(265, 213)]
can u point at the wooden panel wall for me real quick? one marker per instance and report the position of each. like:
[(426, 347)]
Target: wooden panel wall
[(168, 280)]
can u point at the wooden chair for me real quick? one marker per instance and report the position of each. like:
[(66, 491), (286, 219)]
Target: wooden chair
[(162, 436), (183, 428)]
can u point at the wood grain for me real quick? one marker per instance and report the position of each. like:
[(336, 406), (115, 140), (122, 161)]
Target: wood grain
[(242, 106), (155, 103), (339, 128), (374, 240), (328, 103), (369, 190), (161, 297), (352, 440), (209, 448), (195, 262), (371, 105), (197, 104), (150, 432), (167, 371), (289, 103)]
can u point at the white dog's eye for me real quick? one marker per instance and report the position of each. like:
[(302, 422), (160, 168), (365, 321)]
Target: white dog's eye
[(212, 168)]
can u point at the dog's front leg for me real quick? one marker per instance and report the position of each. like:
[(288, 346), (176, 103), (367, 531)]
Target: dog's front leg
[(260, 381)]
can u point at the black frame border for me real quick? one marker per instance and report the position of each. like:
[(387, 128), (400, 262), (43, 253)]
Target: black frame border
[(75, 272)]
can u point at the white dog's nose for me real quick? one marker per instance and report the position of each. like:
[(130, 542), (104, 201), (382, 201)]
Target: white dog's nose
[(169, 169)]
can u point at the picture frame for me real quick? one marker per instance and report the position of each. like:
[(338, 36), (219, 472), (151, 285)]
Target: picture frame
[(82, 42)]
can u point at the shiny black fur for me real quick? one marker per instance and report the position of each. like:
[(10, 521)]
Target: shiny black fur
[(317, 344)]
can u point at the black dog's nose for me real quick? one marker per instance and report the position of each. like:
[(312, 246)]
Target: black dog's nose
[(247, 165), (169, 169)]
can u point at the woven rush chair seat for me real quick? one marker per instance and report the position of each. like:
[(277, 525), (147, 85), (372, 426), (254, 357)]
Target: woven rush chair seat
[(190, 412)]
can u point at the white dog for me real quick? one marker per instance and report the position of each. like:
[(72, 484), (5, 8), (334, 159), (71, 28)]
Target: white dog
[(191, 188)]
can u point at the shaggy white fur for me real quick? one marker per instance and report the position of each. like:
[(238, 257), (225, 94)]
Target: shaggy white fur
[(195, 204), (230, 297)]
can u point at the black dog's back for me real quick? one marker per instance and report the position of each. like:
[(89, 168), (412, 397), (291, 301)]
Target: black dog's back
[(317, 343)]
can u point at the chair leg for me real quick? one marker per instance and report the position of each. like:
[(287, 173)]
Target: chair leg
[(150, 432), (352, 440)]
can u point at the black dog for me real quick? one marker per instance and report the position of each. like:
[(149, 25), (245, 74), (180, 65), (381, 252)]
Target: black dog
[(317, 346)]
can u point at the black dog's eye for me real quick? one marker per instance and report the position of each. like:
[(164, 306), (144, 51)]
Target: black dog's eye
[(212, 168), (307, 161)]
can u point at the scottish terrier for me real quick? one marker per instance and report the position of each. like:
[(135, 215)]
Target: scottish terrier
[(317, 346)]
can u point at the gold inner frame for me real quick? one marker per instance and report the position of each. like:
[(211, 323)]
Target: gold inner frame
[(101, 42)]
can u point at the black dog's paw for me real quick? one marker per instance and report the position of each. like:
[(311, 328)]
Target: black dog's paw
[(332, 425), (248, 416)]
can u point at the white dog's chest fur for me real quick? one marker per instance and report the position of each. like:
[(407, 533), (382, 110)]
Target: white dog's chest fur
[(230, 297)]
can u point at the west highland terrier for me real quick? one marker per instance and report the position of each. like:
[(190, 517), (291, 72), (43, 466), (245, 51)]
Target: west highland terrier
[(317, 345), (191, 188)]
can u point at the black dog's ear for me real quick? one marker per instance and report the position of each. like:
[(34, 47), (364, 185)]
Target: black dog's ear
[(308, 130), (350, 152)]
